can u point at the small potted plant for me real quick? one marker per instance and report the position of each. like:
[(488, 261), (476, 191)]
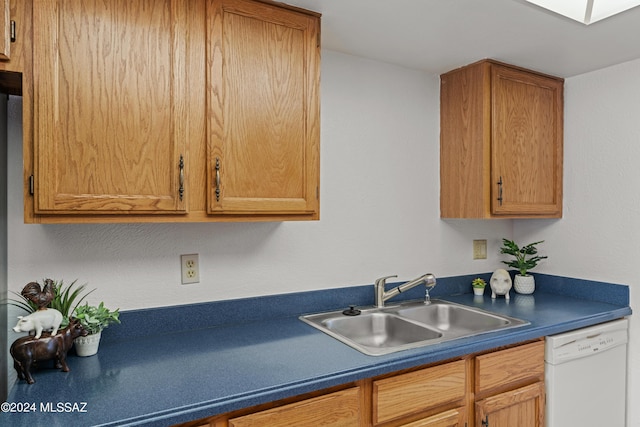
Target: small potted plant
[(525, 258), (94, 319), (478, 285)]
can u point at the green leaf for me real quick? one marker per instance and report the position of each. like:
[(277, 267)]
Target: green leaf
[(520, 261), (94, 319)]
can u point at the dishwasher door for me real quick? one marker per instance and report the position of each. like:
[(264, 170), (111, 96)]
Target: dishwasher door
[(586, 376)]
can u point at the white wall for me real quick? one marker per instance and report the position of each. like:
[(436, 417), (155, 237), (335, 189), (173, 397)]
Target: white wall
[(379, 212), (598, 236)]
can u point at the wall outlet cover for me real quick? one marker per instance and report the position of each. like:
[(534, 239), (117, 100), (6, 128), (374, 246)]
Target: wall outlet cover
[(190, 268), (480, 249)]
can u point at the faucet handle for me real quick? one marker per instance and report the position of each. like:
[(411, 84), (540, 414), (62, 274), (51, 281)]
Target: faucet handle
[(383, 280)]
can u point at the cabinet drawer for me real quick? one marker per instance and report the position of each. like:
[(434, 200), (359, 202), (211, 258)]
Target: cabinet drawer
[(339, 409), (509, 366), (417, 391), (452, 418)]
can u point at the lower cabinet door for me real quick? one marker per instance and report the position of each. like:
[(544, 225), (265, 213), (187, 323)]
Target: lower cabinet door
[(522, 407)]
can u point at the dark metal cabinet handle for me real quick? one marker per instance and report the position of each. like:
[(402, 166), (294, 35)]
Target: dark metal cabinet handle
[(218, 183), (181, 166)]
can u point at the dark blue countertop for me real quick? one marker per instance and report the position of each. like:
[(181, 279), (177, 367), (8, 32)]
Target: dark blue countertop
[(170, 365)]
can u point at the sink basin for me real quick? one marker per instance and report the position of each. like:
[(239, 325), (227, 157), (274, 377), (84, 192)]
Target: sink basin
[(456, 319), (378, 331), (375, 332)]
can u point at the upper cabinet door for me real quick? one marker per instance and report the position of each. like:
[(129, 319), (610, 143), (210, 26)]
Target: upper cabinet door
[(500, 142), (5, 33), (109, 106), (262, 109), (527, 142)]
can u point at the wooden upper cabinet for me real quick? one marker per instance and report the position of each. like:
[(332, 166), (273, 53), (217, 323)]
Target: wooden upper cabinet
[(15, 47), (500, 143), (171, 110), (262, 109), (109, 106), (5, 34), (15, 43), (526, 127)]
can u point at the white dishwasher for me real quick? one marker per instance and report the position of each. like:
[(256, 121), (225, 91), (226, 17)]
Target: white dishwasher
[(586, 376)]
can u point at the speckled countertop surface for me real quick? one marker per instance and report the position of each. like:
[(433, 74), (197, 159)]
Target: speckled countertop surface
[(262, 352)]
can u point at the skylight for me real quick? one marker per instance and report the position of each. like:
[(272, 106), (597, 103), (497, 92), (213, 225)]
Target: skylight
[(587, 11)]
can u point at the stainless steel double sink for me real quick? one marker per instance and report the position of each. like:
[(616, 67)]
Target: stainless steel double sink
[(413, 324)]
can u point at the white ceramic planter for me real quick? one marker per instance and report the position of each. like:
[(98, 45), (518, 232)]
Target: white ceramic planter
[(88, 346), (478, 291), (524, 284)]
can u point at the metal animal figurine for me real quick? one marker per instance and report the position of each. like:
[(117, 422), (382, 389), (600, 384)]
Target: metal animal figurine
[(40, 297), (26, 351)]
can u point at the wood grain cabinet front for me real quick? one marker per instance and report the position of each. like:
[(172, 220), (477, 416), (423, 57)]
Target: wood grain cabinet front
[(109, 106), (510, 387), (504, 387), (414, 392), (172, 111), (6, 32), (501, 132), (262, 109), (522, 407), (452, 418), (338, 409), (15, 42)]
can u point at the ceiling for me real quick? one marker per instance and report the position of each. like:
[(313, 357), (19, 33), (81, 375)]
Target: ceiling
[(440, 35)]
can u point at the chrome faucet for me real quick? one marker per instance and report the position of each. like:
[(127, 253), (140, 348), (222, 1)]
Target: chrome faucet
[(381, 296)]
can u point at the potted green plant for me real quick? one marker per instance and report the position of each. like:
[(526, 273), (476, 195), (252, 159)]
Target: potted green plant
[(524, 259), (93, 319), (478, 285)]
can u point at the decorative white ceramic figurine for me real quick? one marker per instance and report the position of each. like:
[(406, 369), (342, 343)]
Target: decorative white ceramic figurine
[(40, 320), (500, 283)]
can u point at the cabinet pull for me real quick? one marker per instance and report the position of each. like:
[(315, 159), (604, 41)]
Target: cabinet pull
[(12, 31), (485, 422), (218, 179), (181, 189), (500, 191)]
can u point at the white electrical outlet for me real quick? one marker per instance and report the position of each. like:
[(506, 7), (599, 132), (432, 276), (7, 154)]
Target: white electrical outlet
[(190, 267)]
